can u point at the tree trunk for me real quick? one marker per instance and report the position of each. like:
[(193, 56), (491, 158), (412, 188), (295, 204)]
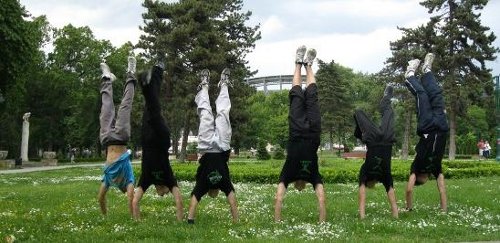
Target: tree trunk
[(185, 134), (453, 130), (406, 136), (331, 139)]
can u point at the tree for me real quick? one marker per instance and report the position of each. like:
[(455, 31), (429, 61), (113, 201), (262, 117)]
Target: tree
[(334, 100), (20, 37), (198, 35)]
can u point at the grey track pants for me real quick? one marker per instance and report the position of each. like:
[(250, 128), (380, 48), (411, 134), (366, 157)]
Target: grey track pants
[(116, 130)]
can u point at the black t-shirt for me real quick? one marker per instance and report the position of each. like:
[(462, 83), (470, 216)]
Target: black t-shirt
[(377, 166), (430, 150), (213, 173), (156, 169), (301, 162)]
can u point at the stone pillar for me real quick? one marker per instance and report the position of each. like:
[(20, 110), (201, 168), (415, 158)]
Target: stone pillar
[(25, 137)]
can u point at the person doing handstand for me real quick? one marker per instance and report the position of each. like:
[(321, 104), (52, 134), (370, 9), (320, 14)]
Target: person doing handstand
[(155, 166), (114, 135), (214, 138), (432, 128), (304, 124), (378, 140)]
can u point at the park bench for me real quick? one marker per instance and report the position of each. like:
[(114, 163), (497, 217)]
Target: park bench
[(354, 155)]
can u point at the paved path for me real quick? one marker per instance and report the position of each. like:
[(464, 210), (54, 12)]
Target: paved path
[(55, 167)]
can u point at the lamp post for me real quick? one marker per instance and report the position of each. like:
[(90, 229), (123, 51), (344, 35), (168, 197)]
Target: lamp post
[(497, 113)]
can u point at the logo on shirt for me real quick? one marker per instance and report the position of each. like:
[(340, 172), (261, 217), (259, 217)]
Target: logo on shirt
[(157, 175), (214, 177), (305, 166)]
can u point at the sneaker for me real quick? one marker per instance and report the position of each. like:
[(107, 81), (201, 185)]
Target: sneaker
[(224, 78), (412, 67), (426, 67), (106, 73), (131, 65), (310, 56), (205, 78), (299, 55)]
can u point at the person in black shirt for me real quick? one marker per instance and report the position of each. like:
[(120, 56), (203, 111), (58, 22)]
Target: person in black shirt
[(432, 128), (155, 166), (304, 123), (214, 139), (378, 140)]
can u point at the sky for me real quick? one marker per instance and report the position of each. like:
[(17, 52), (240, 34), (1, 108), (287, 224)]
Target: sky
[(354, 33)]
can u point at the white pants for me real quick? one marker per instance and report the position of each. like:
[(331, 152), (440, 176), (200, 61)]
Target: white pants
[(214, 135)]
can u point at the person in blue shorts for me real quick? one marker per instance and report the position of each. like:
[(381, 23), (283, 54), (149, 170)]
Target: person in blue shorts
[(155, 140), (304, 125), (214, 143), (379, 141), (432, 128), (114, 135)]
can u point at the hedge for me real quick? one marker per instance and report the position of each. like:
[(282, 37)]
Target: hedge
[(336, 171)]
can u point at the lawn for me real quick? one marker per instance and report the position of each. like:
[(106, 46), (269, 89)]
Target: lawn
[(56, 206)]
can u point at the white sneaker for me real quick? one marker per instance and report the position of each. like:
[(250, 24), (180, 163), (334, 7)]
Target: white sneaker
[(412, 68), (131, 65), (205, 78), (106, 73), (224, 78), (426, 67), (299, 55), (310, 56)]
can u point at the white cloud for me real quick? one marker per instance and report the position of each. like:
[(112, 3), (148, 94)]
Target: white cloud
[(272, 26)]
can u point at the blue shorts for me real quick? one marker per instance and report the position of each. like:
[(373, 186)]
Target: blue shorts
[(119, 174)]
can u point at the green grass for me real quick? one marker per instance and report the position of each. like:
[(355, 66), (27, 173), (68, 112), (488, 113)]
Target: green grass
[(56, 206)]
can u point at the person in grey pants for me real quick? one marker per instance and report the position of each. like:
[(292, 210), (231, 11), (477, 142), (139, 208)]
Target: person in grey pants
[(214, 138), (114, 135)]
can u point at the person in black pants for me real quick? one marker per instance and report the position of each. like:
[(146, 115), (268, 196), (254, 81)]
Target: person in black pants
[(432, 128), (155, 166), (378, 140), (304, 123)]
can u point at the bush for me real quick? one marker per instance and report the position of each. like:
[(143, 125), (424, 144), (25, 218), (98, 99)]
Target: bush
[(279, 153), (338, 172), (262, 153)]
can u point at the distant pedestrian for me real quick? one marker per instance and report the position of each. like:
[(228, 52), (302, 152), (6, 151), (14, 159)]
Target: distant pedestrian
[(480, 147), (486, 150)]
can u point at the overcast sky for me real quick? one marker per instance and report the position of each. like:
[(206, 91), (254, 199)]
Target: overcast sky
[(354, 33)]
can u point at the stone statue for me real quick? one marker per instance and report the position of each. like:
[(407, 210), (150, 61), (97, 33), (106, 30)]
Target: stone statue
[(25, 137)]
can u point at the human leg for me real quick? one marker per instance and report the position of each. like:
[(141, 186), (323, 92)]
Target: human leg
[(122, 124), (206, 129), (387, 124), (424, 110), (368, 131), (278, 201), (101, 197), (409, 191), (442, 192), (231, 199), (320, 194), (139, 192), (392, 201), (178, 203), (154, 127), (223, 106), (130, 198), (362, 200), (107, 114), (192, 209), (313, 115)]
